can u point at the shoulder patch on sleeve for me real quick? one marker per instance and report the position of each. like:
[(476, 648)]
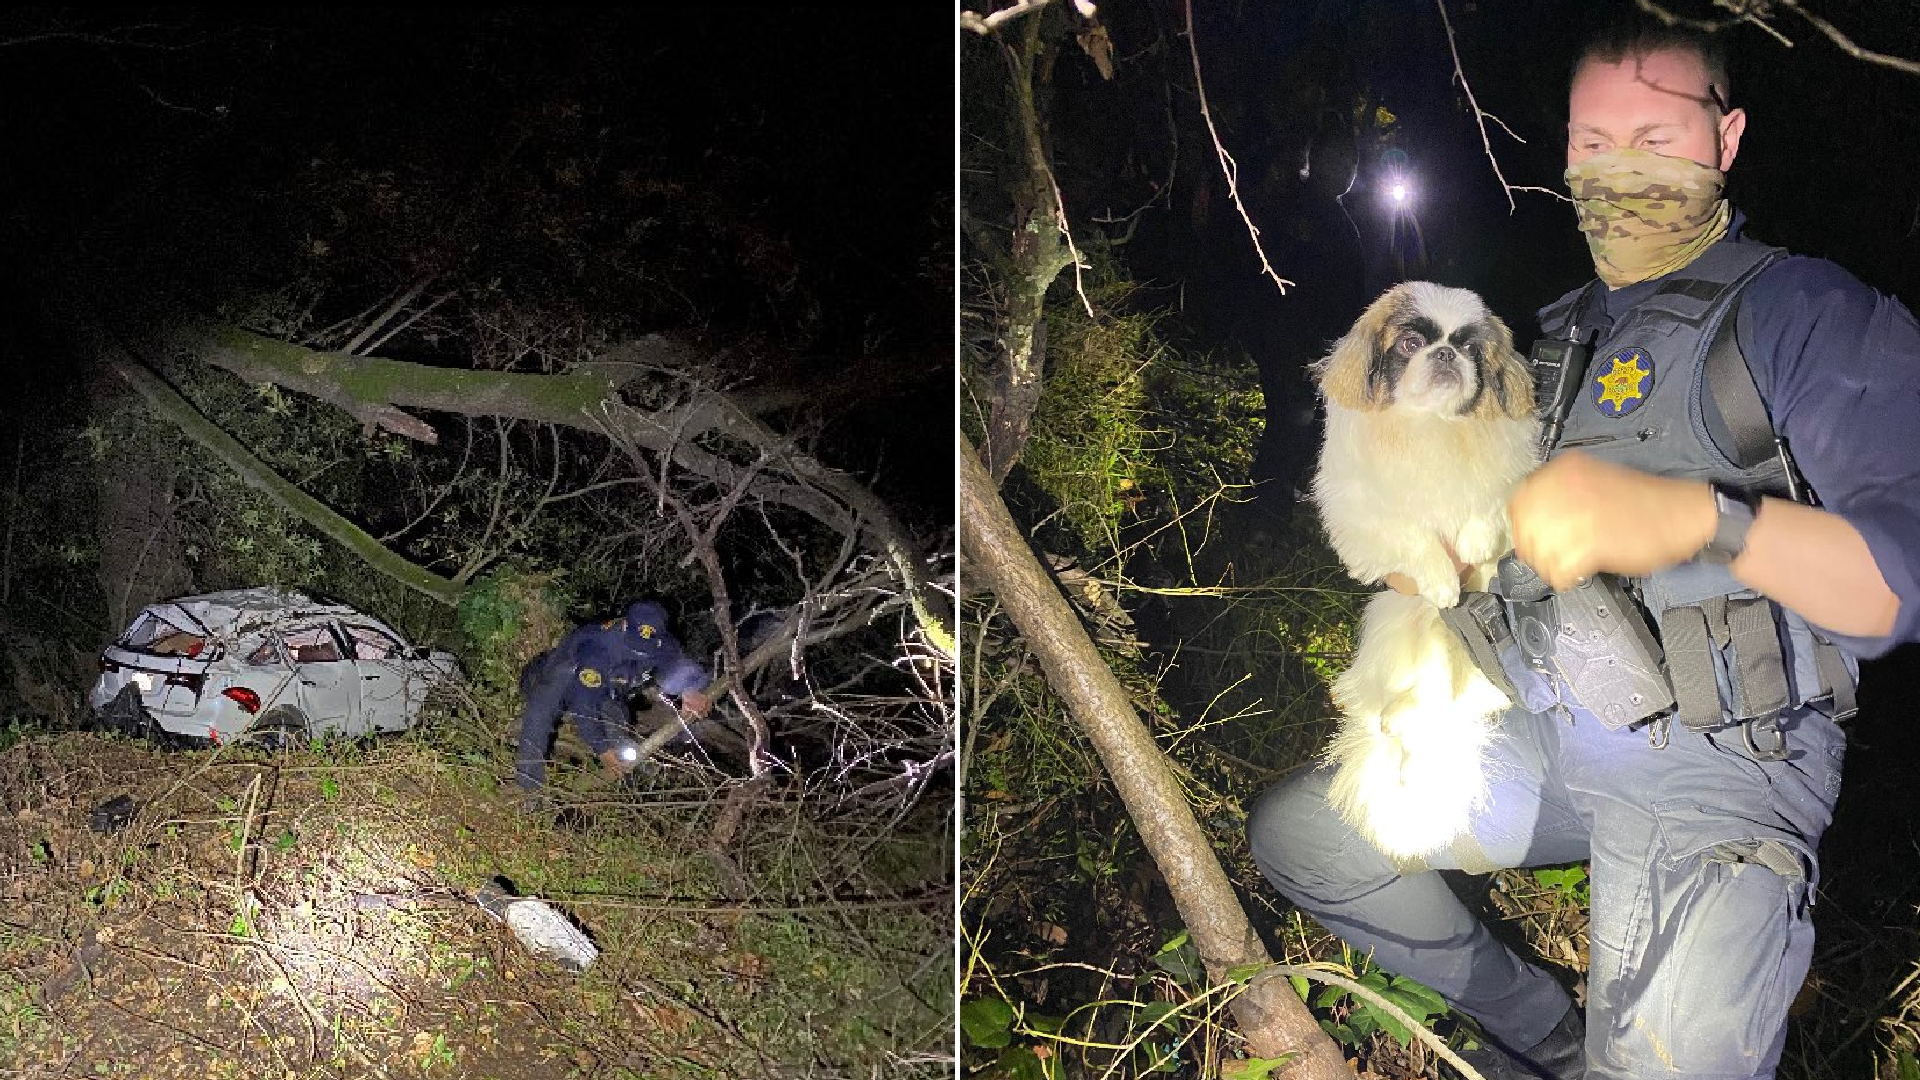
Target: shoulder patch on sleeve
[(589, 678), (613, 624)]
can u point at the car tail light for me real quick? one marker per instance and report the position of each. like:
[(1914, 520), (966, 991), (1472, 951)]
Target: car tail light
[(243, 697)]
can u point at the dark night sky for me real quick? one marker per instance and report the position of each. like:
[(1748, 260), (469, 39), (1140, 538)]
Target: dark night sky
[(830, 137)]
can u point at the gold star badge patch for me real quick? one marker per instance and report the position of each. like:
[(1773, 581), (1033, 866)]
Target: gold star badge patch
[(589, 678), (1622, 381)]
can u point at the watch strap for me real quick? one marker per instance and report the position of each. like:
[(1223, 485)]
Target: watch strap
[(1734, 511)]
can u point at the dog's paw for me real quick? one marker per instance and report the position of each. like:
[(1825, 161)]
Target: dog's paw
[(1442, 591), (1480, 540)]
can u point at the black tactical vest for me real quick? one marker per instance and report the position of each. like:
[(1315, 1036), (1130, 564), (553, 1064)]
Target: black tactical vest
[(1733, 656)]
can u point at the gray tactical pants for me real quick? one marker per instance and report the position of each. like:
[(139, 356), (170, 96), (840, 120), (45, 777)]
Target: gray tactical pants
[(1702, 873)]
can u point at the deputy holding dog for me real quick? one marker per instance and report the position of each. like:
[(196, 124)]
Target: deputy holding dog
[(1721, 386), (588, 677)]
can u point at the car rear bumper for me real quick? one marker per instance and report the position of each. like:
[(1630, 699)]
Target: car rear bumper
[(125, 715)]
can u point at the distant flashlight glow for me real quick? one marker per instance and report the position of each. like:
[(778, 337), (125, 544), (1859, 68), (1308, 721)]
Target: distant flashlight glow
[(1399, 193), (629, 753)]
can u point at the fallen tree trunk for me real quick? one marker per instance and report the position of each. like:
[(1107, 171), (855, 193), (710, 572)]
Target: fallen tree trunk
[(379, 391), (1274, 1020), (167, 401)]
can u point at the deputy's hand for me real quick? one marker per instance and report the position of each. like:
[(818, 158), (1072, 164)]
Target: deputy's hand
[(695, 703), (1577, 516), (1405, 585)]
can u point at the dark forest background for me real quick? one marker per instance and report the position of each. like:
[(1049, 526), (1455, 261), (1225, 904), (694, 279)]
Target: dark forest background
[(1174, 427), (733, 225)]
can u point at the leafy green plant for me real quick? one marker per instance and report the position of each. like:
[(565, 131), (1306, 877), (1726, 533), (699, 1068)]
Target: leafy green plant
[(1181, 959), (1358, 1018), (507, 617), (439, 1054), (989, 1022), (1254, 1068), (1570, 882)]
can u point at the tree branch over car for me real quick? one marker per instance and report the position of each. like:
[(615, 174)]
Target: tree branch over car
[(696, 435)]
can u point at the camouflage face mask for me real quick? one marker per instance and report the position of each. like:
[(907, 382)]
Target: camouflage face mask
[(1645, 214)]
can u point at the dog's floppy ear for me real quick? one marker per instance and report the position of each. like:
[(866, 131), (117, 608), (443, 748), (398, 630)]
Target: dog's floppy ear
[(1347, 375), (1509, 389)]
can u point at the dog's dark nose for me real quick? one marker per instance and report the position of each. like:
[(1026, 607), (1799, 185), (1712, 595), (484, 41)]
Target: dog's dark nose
[(1444, 354)]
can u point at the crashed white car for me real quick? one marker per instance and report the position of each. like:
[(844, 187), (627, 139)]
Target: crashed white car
[(261, 665)]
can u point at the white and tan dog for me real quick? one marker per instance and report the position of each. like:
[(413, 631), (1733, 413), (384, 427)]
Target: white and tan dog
[(1430, 424)]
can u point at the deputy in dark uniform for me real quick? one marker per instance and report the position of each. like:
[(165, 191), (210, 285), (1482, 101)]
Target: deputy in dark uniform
[(588, 678), (1702, 826)]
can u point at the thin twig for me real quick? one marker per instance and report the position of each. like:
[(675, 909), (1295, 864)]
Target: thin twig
[(366, 334), (1227, 164), (404, 324), (988, 23), (1671, 18), (1847, 45), (1481, 116)]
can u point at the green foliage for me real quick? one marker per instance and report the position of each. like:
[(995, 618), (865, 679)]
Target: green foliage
[(1570, 882), (987, 1022), (1210, 412), (1357, 1018), (1090, 448), (990, 1023), (506, 618), (1255, 1068), (1180, 958)]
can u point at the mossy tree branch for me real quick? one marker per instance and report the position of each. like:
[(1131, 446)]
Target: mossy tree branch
[(379, 392), (169, 403), (1038, 253), (1274, 1020)]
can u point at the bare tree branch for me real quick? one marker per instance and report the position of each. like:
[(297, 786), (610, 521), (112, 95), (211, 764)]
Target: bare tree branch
[(1847, 45), (376, 390), (988, 23), (1274, 1022), (1481, 116), (1228, 166), (1755, 13), (167, 401)]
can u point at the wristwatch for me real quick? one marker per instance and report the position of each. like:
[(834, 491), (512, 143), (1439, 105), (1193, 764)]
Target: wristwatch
[(1734, 512)]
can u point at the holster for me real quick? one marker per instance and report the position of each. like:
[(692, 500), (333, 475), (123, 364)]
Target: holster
[(1480, 621), (1595, 637)]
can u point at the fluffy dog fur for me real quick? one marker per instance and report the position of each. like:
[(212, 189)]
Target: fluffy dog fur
[(1429, 426)]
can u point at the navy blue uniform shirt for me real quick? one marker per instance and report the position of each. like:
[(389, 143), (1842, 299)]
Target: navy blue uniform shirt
[(606, 661), (1838, 365), (588, 677)]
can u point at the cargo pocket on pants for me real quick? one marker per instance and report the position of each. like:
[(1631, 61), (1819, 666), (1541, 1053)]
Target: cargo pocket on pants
[(1727, 948)]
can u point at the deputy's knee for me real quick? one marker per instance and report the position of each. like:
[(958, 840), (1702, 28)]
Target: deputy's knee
[(1305, 848)]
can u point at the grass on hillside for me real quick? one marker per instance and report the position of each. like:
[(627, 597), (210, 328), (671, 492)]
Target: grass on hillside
[(306, 915)]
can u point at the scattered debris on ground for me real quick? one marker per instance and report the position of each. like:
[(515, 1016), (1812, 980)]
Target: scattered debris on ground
[(312, 915)]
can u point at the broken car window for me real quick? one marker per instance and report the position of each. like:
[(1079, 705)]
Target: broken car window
[(313, 645), (156, 636), (371, 644)]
